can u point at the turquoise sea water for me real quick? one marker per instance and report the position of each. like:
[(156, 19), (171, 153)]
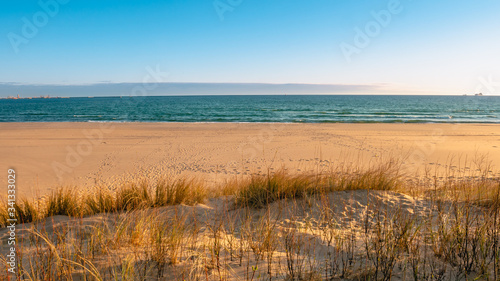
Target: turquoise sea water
[(307, 109)]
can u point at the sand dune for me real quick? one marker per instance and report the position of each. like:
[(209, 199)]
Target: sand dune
[(352, 219)]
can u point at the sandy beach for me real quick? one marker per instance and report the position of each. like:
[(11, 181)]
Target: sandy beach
[(48, 155), (250, 140)]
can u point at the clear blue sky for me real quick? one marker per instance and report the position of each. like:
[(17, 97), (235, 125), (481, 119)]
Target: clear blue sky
[(441, 47)]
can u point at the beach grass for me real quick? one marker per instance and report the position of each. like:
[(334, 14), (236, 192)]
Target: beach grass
[(347, 223)]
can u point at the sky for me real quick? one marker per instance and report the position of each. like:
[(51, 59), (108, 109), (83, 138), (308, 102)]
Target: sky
[(406, 46)]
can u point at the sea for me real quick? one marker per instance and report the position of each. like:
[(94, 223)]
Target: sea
[(257, 108)]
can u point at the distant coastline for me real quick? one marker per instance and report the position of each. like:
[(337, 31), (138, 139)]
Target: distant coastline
[(29, 98)]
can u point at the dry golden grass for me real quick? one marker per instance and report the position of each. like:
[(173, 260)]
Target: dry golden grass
[(345, 224)]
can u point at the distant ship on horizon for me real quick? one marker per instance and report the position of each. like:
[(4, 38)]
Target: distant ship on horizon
[(475, 95)]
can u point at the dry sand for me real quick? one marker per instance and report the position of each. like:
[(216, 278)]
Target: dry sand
[(47, 155)]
